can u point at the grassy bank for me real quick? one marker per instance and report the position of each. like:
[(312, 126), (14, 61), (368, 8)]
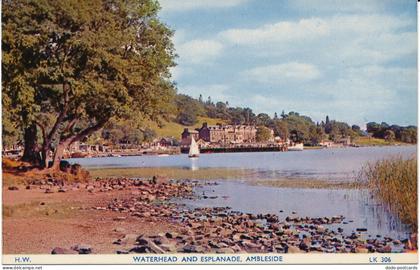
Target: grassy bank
[(394, 181), (221, 174), (366, 141), (172, 173), (310, 183)]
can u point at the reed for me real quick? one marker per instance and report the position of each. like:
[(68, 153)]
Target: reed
[(394, 182)]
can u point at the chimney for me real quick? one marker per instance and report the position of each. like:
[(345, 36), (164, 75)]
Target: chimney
[(204, 124)]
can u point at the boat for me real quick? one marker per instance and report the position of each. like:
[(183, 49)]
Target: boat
[(194, 150), (296, 147)]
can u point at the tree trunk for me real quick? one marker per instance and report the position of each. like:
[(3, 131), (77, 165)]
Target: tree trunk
[(31, 151), (44, 156), (64, 143), (58, 154)]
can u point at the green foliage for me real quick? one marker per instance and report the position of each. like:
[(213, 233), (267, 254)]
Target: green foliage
[(127, 132), (70, 66), (389, 135), (394, 132), (408, 135), (281, 129), (299, 126), (316, 134), (188, 109), (263, 134), (370, 141), (11, 132), (149, 135), (263, 119)]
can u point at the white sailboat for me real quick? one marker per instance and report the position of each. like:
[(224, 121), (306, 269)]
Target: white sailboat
[(194, 150)]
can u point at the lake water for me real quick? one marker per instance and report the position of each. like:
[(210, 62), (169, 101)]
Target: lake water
[(327, 164), (358, 207)]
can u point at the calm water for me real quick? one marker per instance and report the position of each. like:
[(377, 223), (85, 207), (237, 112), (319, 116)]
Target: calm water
[(329, 164), (358, 207), (360, 210)]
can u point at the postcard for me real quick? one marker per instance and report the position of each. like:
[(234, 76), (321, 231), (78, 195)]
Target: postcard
[(141, 132)]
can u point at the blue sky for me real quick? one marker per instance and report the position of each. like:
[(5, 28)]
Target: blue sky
[(355, 61)]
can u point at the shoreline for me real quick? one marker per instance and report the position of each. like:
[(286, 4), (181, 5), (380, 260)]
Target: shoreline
[(224, 174), (172, 152), (123, 214)]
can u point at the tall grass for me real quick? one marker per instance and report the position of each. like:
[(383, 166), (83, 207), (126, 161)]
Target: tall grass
[(394, 182)]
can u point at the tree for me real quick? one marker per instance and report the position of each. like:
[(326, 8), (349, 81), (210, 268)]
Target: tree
[(12, 134), (409, 135), (149, 135), (135, 136), (188, 109), (115, 135), (263, 119), (70, 66), (263, 134), (281, 129), (283, 115), (334, 133), (299, 126), (316, 134), (389, 135), (297, 136), (187, 117)]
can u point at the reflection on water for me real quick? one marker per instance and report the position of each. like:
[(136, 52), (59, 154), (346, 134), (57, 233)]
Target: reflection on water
[(194, 164), (358, 207)]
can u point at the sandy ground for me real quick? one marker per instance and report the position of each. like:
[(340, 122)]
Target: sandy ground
[(35, 222)]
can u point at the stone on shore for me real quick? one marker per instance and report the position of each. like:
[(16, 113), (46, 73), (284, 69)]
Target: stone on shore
[(293, 249), (145, 245), (361, 250), (60, 250), (82, 249), (192, 249)]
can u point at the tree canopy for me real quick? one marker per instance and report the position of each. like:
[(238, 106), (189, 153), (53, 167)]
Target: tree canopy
[(70, 66), (263, 134), (406, 134)]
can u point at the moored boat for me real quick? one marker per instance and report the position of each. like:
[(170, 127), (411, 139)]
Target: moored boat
[(194, 150)]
